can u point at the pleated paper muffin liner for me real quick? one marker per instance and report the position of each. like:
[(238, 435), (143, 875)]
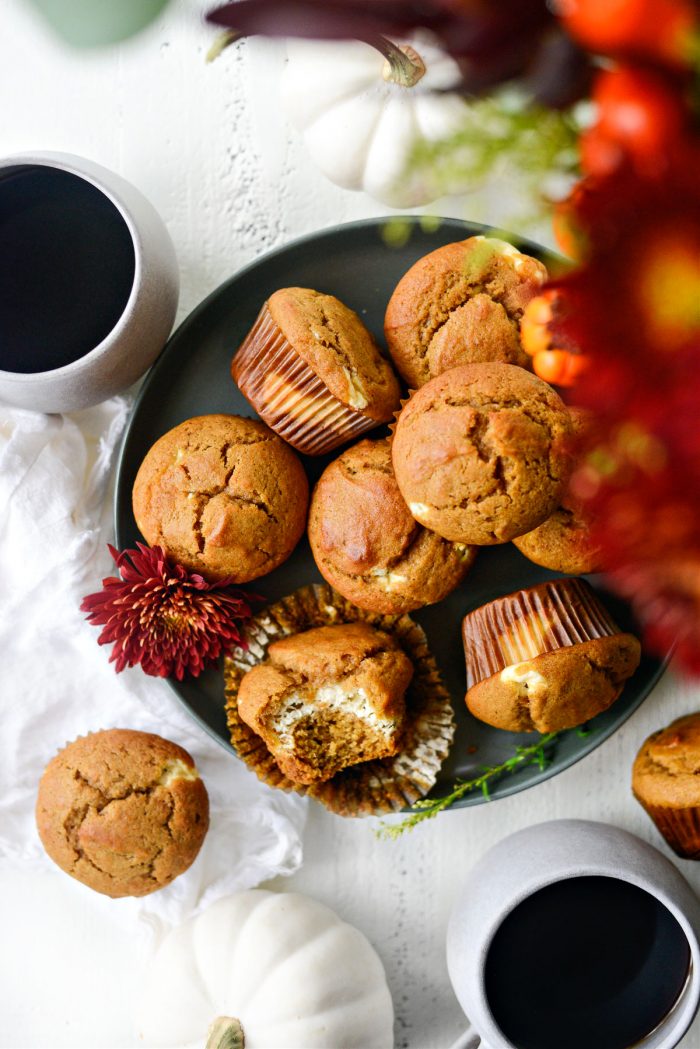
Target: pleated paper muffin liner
[(289, 396), (529, 623), (680, 828), (372, 787), (402, 404)]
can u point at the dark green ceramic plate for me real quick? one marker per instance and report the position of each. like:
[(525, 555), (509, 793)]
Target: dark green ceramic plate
[(191, 377)]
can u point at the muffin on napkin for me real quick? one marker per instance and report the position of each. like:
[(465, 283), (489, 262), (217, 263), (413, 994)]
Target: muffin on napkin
[(124, 812), (666, 783), (313, 372)]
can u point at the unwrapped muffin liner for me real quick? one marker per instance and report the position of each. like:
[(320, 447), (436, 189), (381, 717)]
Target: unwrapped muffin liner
[(680, 828), (529, 623), (288, 395), (372, 787)]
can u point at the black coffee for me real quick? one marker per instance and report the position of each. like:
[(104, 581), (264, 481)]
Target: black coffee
[(586, 963), (66, 268)]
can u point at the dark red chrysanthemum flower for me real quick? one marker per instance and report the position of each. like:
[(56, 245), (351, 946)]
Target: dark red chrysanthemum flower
[(168, 620), (634, 310)]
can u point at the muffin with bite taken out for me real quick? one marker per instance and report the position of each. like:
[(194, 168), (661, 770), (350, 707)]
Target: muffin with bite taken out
[(328, 698)]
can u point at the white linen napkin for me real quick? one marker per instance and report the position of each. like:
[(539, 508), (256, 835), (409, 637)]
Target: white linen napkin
[(57, 683)]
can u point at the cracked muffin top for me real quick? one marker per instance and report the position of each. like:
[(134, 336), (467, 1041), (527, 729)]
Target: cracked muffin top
[(335, 344), (564, 542), (366, 543), (482, 453), (461, 304), (124, 812), (223, 496)]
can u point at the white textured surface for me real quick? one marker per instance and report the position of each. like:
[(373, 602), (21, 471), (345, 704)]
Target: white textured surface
[(208, 146)]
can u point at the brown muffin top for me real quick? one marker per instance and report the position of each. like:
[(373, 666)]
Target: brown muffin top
[(223, 495), (666, 771), (330, 653), (559, 689), (367, 544), (334, 342), (481, 453), (563, 542), (122, 811), (461, 304)]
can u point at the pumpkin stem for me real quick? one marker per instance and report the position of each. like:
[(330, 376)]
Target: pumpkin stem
[(225, 1033), (404, 66), (222, 40)]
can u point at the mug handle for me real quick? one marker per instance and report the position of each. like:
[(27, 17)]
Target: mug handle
[(469, 1039)]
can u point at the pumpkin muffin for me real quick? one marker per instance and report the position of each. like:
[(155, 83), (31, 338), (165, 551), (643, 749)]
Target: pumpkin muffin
[(461, 304), (368, 546), (666, 783), (313, 372), (223, 496), (124, 812), (563, 543), (482, 453), (328, 698), (545, 659)]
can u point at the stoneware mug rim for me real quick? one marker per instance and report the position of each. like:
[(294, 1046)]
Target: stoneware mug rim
[(483, 1030), (70, 163), (146, 318)]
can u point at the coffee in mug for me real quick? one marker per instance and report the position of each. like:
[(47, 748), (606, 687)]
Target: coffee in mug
[(575, 935), (594, 957)]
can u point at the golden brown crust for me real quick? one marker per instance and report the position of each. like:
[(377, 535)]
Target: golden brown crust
[(461, 304), (354, 657), (559, 689), (372, 787), (666, 770), (482, 453), (124, 812), (562, 543), (366, 543), (223, 496), (666, 782), (334, 342)]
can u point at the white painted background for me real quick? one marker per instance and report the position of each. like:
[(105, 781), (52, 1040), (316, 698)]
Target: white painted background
[(210, 148)]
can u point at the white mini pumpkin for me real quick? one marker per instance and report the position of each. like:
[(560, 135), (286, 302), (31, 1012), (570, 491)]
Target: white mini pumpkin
[(359, 124), (285, 967)]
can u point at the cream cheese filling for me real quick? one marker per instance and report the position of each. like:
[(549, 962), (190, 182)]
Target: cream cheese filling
[(330, 697)]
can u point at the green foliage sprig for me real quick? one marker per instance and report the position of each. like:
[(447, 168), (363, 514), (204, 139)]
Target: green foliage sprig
[(506, 135), (427, 808)]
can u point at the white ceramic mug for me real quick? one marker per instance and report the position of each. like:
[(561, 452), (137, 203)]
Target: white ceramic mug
[(537, 857), (141, 331)]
